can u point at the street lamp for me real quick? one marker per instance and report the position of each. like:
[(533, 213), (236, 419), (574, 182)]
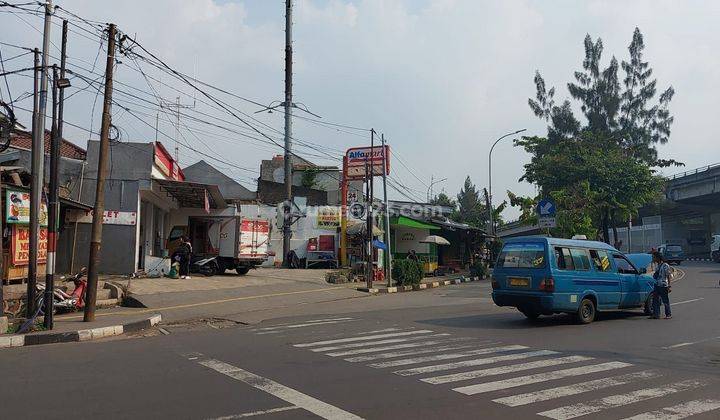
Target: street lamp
[(490, 209), (429, 190)]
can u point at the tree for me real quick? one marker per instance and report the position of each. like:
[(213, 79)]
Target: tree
[(471, 210), (599, 171), (442, 199)]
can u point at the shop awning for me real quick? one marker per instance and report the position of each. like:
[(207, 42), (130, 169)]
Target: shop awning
[(192, 194), (408, 222)]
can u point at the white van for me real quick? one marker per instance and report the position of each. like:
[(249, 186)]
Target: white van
[(715, 248)]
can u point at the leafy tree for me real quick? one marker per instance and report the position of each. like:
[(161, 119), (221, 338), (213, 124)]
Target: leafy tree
[(309, 177), (599, 171)]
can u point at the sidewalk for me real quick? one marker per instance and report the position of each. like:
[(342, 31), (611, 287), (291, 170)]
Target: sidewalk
[(425, 283), (229, 294), (71, 328)]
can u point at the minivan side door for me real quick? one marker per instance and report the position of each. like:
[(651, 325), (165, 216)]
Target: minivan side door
[(630, 280)]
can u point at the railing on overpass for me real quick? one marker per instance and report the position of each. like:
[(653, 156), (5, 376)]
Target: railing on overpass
[(694, 171)]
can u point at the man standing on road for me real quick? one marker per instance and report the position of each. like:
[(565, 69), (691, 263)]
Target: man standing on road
[(662, 286)]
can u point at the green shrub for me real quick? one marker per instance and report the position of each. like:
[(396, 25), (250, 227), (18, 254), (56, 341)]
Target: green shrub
[(407, 272), (479, 268)]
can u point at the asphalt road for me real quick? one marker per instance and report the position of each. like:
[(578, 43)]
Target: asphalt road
[(444, 353)]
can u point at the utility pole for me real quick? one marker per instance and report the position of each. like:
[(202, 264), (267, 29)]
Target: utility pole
[(38, 159), (288, 131), (388, 258), (99, 210), (369, 210), (59, 84), (178, 106), (32, 271)]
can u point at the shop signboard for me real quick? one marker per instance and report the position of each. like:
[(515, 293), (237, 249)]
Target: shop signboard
[(359, 157), (110, 217), (17, 208), (20, 245), (328, 217)]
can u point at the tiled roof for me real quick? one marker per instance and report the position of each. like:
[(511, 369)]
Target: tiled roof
[(23, 140)]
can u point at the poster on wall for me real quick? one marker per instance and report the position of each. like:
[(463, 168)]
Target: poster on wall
[(20, 245), (17, 208), (328, 217)]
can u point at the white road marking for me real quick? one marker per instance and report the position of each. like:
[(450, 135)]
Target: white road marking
[(686, 301), (446, 356), (258, 413), (379, 331), (297, 398), (376, 343), (272, 330), (363, 338), (564, 391), (690, 343), (504, 369), (413, 352), (396, 347), (473, 362), (304, 322), (582, 409), (680, 411)]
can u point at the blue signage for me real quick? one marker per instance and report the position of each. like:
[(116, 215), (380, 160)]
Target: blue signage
[(546, 208)]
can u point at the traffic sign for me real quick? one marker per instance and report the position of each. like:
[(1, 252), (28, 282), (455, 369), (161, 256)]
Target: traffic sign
[(546, 222), (357, 210), (546, 208)]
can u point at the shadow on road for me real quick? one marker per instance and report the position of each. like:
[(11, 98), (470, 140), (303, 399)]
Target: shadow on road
[(517, 321)]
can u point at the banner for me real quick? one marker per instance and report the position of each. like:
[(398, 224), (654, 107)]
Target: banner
[(328, 218), (17, 208), (20, 245)]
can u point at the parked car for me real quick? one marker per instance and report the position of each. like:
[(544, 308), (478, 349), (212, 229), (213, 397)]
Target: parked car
[(673, 254), (715, 248), (545, 276)]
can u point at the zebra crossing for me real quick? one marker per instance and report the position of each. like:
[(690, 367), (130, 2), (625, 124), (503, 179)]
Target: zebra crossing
[(503, 373)]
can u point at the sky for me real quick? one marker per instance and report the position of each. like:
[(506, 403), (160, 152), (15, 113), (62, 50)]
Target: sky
[(441, 79)]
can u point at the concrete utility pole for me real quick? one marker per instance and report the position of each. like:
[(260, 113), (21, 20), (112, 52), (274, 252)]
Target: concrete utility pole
[(38, 159), (99, 210), (369, 173), (386, 237), (59, 84), (288, 131)]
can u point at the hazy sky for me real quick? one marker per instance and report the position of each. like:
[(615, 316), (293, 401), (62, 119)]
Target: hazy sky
[(441, 78)]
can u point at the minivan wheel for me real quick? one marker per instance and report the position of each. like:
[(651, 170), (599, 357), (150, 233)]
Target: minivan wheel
[(586, 311), (647, 308)]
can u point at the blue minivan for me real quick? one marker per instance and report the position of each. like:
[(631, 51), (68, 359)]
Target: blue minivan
[(545, 276)]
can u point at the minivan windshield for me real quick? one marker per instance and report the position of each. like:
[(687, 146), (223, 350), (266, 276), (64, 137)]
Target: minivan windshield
[(522, 255)]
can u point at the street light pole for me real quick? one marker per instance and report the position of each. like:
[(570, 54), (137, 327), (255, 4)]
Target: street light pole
[(491, 227), (430, 188)]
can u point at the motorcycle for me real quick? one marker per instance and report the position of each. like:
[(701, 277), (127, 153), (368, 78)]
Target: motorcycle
[(63, 301), (206, 266)]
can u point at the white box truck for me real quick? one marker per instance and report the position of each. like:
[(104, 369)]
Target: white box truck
[(231, 242)]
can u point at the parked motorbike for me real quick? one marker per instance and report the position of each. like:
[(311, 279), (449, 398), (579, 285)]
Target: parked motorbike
[(206, 266), (63, 301)]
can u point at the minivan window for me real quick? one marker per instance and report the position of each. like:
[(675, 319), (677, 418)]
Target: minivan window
[(674, 248), (601, 260), (522, 255), (624, 266), (564, 259), (580, 259)]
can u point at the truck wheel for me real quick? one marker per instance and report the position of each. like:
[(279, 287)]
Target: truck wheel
[(586, 312), (242, 270)]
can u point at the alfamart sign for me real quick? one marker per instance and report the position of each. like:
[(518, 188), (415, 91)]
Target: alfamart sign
[(358, 158)]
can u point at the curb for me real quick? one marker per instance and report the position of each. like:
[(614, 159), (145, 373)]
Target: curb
[(700, 259), (416, 287), (76, 336)]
